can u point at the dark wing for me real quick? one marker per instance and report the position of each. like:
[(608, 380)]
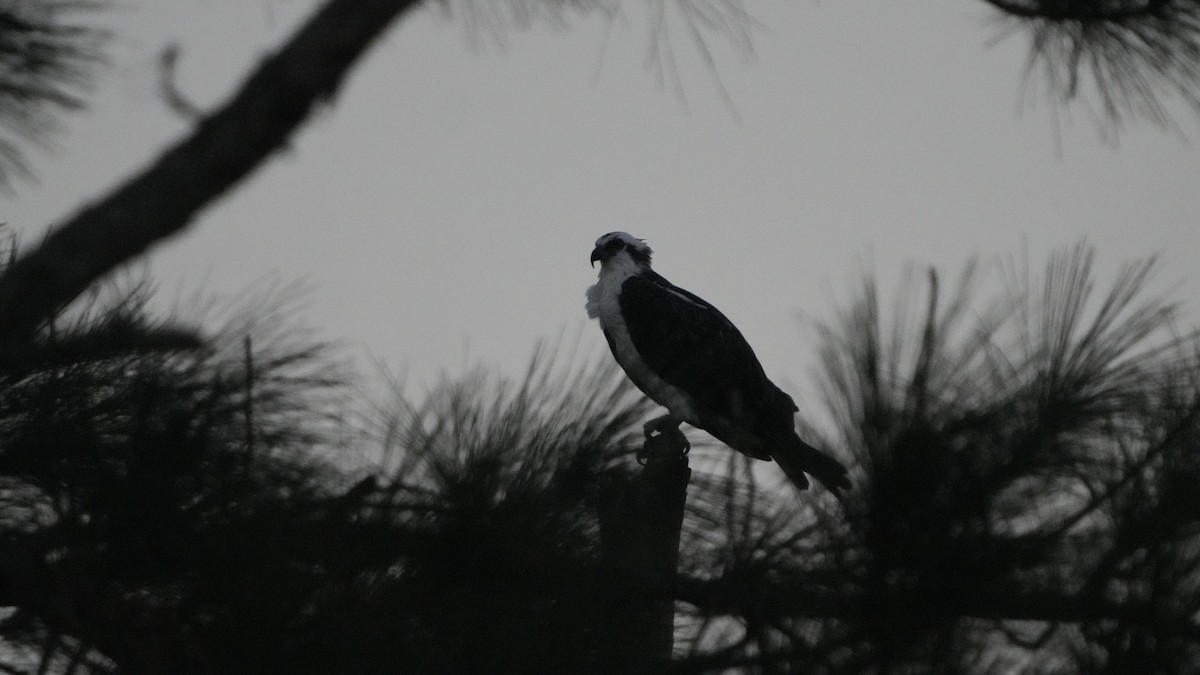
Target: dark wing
[(691, 345)]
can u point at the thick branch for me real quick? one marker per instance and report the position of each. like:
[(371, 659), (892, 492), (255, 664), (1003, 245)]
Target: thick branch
[(222, 151), (797, 600), (1079, 10)]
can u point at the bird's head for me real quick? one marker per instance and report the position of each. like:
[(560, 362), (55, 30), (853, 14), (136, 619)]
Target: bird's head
[(621, 247)]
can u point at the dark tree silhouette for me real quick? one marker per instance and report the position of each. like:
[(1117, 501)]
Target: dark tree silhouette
[(1018, 504), (1022, 470), (173, 500)]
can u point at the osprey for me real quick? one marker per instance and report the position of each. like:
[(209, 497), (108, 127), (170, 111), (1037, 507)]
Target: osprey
[(690, 359)]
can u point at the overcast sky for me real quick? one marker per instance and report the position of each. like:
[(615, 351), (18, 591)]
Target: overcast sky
[(445, 205)]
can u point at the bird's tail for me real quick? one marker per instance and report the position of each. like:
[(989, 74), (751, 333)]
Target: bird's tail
[(797, 458)]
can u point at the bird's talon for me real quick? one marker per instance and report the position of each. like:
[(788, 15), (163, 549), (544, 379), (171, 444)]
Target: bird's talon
[(652, 429)]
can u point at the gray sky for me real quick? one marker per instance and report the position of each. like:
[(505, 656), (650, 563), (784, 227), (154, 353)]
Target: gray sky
[(445, 205)]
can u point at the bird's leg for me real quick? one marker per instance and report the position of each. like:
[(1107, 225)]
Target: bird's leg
[(660, 432)]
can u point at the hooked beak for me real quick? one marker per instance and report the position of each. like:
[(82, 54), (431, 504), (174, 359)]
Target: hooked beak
[(595, 255)]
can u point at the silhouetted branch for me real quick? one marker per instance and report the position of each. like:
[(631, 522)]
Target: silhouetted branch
[(223, 149), (1082, 10), (169, 89), (797, 599), (1136, 52)]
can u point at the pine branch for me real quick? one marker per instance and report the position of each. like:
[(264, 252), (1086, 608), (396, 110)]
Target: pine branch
[(45, 64), (1080, 10), (226, 147), (1131, 55)]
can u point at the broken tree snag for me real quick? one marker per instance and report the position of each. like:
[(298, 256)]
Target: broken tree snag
[(641, 513)]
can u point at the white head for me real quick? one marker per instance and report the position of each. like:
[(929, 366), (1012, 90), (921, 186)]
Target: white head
[(621, 249)]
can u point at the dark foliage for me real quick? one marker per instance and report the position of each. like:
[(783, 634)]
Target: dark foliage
[(136, 501), (1022, 501), (46, 53), (176, 504), (1018, 503), (1130, 58), (176, 510)]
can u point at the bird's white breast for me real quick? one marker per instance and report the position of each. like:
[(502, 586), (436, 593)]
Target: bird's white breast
[(603, 303)]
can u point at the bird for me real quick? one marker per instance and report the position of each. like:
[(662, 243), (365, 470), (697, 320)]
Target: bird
[(689, 358)]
